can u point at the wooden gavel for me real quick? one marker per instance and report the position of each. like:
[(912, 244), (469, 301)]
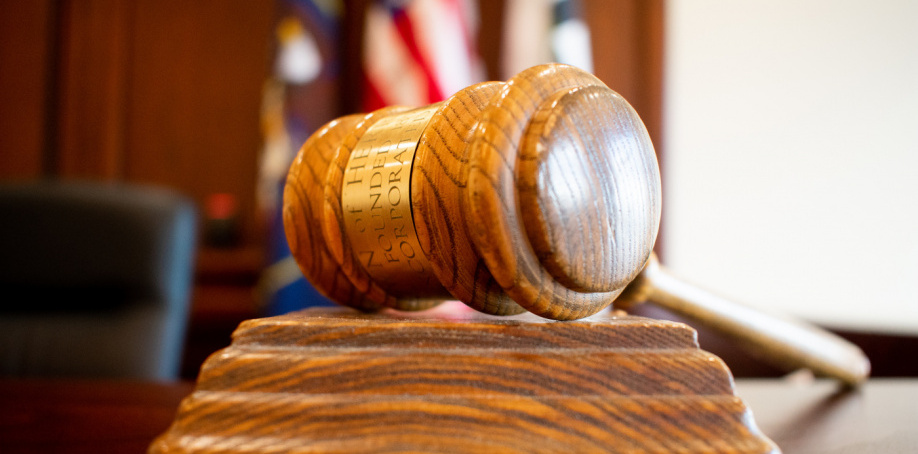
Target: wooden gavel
[(540, 194)]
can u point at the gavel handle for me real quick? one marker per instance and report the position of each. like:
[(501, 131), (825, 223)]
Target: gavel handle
[(784, 342)]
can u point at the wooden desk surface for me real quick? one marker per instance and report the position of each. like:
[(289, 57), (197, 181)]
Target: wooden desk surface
[(38, 416), (47, 416), (881, 417)]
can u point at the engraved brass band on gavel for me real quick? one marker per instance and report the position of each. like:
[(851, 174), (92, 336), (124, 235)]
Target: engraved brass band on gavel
[(538, 194)]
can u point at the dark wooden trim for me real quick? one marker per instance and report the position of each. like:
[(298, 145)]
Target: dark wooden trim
[(627, 39), (491, 35), (353, 23), (27, 40), (93, 89), (891, 355), (51, 151)]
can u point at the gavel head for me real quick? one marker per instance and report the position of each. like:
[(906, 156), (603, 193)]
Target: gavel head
[(538, 194)]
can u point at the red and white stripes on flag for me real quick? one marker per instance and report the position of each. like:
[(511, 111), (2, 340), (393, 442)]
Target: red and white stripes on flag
[(418, 52)]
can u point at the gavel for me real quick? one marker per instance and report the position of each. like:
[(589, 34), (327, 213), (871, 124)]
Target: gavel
[(539, 194)]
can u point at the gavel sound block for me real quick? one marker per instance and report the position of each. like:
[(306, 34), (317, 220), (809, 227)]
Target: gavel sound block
[(336, 380)]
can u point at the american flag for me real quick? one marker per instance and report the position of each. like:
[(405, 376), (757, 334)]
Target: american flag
[(419, 52)]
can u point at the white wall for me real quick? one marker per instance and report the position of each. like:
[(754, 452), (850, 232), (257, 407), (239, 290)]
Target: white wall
[(791, 173)]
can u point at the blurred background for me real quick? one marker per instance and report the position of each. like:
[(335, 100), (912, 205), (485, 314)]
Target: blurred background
[(787, 132)]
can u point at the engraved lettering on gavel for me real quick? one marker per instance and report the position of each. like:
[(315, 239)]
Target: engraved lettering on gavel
[(540, 194)]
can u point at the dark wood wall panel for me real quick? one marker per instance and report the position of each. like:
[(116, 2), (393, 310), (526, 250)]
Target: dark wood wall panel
[(196, 73), (165, 92), (490, 35), (25, 65), (92, 87)]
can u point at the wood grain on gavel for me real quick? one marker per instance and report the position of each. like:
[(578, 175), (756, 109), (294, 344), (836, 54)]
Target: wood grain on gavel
[(540, 194)]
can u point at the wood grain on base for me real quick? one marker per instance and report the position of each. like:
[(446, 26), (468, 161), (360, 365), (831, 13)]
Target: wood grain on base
[(329, 381)]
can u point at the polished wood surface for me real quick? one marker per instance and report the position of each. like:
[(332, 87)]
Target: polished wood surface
[(84, 416), (823, 418), (334, 380)]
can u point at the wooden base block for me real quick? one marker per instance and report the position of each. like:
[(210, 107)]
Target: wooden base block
[(335, 380)]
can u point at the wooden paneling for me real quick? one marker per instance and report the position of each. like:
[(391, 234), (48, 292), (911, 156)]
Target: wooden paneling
[(25, 43), (490, 35), (148, 91), (95, 36), (161, 92), (196, 74), (350, 55)]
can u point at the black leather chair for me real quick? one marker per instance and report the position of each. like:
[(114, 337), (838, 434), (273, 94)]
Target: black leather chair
[(94, 280)]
